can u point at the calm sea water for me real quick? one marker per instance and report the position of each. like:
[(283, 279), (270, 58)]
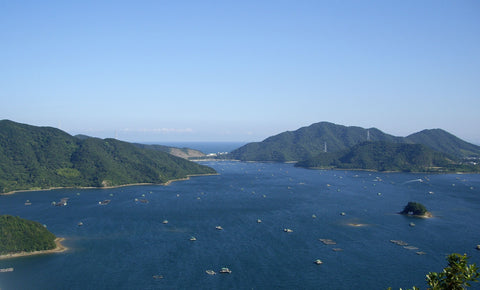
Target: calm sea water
[(122, 245)]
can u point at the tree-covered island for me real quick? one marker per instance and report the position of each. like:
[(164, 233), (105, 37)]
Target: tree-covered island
[(416, 209)]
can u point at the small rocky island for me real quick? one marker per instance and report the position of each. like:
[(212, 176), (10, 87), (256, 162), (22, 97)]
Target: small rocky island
[(416, 209), (21, 237)]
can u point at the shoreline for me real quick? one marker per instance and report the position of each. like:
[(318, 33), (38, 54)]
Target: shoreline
[(108, 187), (427, 215), (389, 171), (58, 249)]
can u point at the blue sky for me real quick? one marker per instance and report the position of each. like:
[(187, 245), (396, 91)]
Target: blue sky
[(240, 70)]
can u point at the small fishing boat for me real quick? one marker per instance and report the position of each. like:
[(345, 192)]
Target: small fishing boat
[(225, 270), (193, 239), (165, 222), (104, 202), (318, 262), (288, 230), (219, 228), (211, 272), (5, 270)]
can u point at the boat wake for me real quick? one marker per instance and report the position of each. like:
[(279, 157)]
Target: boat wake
[(414, 180)]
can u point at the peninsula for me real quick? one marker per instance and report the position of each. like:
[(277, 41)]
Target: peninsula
[(20, 237), (389, 157), (309, 142), (36, 158)]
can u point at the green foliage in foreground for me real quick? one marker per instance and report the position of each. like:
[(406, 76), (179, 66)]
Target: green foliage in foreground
[(387, 156), (20, 235), (456, 276), (414, 208), (43, 157)]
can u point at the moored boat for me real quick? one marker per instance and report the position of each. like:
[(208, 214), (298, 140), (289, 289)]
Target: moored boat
[(210, 272), (318, 262), (225, 270), (104, 202)]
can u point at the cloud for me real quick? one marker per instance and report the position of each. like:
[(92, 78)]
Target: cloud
[(159, 130)]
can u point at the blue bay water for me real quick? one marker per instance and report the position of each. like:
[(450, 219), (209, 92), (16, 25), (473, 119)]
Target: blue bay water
[(122, 245)]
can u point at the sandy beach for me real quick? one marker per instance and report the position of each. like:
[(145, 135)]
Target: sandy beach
[(58, 249)]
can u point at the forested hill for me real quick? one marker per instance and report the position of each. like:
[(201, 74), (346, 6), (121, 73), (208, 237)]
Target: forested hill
[(308, 142), (443, 141), (186, 153), (20, 235), (387, 156), (43, 157)]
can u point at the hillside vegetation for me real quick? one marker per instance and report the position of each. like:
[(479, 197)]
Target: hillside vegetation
[(308, 142), (43, 157), (386, 156), (186, 153), (21, 235)]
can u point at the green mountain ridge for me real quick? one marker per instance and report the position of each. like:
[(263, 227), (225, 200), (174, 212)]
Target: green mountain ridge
[(387, 156), (443, 141), (44, 157), (308, 142)]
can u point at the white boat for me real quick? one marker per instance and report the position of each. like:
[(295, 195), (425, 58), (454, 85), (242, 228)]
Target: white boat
[(165, 222), (80, 224), (193, 239), (288, 230), (225, 270), (4, 270), (318, 262), (259, 221), (219, 228), (210, 272)]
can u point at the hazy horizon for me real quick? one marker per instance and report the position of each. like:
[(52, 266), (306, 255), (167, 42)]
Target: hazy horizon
[(189, 71)]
